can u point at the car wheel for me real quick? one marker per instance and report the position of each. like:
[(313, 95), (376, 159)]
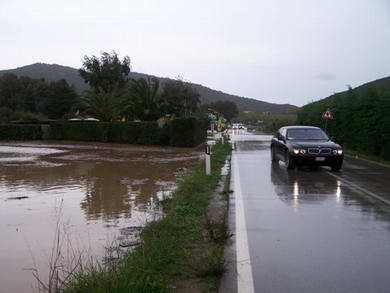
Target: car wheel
[(336, 167), (290, 162), (273, 155)]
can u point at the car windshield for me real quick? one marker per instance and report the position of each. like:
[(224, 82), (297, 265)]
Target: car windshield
[(306, 134)]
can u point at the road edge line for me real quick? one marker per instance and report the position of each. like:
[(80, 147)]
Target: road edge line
[(244, 267), (367, 160), (361, 189)]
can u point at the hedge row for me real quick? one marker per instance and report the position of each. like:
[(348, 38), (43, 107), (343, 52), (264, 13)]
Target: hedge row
[(181, 132), (20, 132), (361, 120)]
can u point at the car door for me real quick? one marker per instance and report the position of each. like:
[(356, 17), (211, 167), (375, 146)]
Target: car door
[(282, 149), (277, 143)]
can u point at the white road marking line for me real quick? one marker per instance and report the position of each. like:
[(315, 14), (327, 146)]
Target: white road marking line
[(368, 161), (244, 267), (358, 188)]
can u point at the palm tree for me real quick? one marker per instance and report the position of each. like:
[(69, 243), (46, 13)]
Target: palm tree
[(104, 106), (144, 98)]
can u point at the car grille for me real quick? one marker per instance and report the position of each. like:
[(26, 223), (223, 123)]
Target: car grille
[(318, 151), (326, 151)]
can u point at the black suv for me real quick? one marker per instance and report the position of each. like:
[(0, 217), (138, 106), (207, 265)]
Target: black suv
[(305, 145)]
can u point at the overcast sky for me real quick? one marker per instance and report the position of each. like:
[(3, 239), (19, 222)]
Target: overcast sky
[(284, 51)]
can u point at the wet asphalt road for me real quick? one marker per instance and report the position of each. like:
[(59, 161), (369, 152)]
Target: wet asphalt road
[(308, 230)]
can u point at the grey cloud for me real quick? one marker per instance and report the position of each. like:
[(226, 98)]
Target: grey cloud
[(290, 50), (324, 76)]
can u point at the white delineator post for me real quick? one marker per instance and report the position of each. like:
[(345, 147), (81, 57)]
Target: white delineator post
[(208, 159)]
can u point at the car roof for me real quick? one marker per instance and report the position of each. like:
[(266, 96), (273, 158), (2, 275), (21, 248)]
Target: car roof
[(301, 126)]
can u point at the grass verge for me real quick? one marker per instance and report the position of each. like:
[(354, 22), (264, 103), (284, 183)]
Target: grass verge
[(175, 249)]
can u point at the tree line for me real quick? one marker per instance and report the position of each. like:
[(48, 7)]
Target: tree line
[(265, 121), (24, 98), (361, 119), (113, 96)]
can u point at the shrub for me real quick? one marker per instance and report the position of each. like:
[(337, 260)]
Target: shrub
[(187, 131), (81, 131), (135, 132), (5, 114), (20, 132), (180, 132)]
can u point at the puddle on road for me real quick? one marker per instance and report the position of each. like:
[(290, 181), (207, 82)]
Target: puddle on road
[(105, 191)]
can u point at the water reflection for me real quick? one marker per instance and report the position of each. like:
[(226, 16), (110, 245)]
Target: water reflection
[(307, 186), (303, 185), (106, 190), (338, 190)]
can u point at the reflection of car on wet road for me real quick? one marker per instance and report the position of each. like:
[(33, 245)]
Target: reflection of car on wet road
[(305, 145), (306, 231)]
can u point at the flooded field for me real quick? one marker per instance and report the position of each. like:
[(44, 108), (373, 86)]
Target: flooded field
[(98, 193)]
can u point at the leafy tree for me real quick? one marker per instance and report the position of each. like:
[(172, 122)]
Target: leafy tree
[(179, 99), (228, 109), (20, 93), (104, 106), (107, 73), (59, 100), (36, 96), (143, 99)]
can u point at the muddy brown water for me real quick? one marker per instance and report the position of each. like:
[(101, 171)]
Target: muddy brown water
[(98, 193)]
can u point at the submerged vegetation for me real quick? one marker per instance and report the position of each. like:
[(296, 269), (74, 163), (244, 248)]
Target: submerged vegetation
[(181, 246)]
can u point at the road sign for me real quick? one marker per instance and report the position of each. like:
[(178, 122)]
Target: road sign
[(327, 115)]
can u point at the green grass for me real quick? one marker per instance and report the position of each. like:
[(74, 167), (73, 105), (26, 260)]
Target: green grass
[(174, 249)]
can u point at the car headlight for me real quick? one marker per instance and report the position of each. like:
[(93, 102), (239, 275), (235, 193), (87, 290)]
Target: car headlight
[(339, 152), (299, 151)]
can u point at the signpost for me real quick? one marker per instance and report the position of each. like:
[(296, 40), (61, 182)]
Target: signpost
[(208, 159), (327, 115), (212, 128)]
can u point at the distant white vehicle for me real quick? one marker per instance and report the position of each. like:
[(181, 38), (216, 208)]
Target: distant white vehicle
[(84, 119), (239, 126)]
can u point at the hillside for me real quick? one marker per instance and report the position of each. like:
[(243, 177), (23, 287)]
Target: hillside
[(361, 119), (379, 84), (55, 72), (382, 83)]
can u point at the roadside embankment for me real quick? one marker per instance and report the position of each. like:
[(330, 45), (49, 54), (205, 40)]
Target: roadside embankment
[(182, 250)]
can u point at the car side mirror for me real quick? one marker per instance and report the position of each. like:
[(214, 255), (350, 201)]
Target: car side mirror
[(280, 137)]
